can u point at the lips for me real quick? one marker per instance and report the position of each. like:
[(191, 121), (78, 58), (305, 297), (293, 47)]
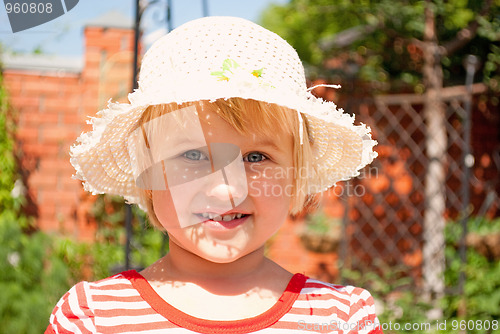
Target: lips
[(226, 221), (226, 217)]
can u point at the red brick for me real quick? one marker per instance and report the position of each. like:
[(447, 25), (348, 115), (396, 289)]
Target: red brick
[(47, 211), (42, 180), (59, 196), (58, 134), (74, 119), (48, 225), (33, 85), (91, 73), (70, 184), (30, 118), (39, 149), (25, 101), (14, 87), (55, 163), (28, 133)]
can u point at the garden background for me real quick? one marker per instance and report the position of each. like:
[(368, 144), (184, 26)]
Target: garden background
[(420, 228)]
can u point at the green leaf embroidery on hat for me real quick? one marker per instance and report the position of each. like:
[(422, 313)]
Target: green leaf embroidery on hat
[(228, 67), (258, 73)]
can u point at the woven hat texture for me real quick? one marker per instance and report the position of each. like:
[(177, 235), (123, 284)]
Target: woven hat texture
[(209, 59)]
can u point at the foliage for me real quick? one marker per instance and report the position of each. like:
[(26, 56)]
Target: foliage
[(37, 269), (379, 41), (399, 302), (481, 300), (25, 280), (33, 275), (148, 244), (403, 303), (320, 223)]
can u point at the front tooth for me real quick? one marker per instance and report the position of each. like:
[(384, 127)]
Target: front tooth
[(204, 215), (227, 218), (218, 218)]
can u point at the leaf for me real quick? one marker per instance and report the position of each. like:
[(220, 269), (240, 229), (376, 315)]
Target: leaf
[(258, 73), (217, 73)]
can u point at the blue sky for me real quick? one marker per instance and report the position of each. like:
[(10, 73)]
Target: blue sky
[(63, 36)]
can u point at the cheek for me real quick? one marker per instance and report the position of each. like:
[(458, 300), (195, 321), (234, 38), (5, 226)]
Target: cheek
[(273, 184), (164, 209)]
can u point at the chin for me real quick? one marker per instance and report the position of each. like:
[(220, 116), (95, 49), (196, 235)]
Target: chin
[(221, 254)]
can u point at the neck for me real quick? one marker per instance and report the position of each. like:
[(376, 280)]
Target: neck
[(182, 265)]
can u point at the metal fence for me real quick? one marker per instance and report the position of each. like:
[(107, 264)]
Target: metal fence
[(385, 220)]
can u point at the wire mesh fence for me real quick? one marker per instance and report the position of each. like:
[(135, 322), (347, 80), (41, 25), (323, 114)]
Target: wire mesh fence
[(386, 218)]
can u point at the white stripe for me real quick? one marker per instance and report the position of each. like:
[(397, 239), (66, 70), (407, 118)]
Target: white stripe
[(76, 309), (324, 304), (343, 294), (110, 281), (116, 293), (329, 285), (309, 318), (66, 324), (112, 305), (131, 320)]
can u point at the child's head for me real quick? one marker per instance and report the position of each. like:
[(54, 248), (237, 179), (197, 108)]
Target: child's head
[(221, 128), (252, 119)]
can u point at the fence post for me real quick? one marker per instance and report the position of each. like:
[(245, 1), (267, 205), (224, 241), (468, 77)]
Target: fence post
[(467, 161)]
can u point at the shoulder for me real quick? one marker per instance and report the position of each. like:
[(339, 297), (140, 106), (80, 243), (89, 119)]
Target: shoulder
[(75, 311), (347, 305)]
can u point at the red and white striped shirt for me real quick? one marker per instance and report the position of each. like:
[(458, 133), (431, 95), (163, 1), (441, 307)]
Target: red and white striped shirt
[(126, 303)]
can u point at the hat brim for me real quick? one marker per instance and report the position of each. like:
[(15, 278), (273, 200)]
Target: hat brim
[(102, 161)]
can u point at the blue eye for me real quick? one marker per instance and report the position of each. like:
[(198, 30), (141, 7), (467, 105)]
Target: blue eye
[(254, 157), (194, 155)]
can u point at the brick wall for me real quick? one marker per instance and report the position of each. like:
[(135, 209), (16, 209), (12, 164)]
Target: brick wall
[(52, 107)]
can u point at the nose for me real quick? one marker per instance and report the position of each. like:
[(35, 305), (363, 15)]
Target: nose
[(228, 187)]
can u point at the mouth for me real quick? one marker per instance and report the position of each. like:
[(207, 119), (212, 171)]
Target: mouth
[(225, 221)]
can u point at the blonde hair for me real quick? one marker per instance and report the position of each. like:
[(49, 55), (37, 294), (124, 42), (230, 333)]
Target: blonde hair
[(247, 116)]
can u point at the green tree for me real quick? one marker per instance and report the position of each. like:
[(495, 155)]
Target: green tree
[(400, 46), (386, 39)]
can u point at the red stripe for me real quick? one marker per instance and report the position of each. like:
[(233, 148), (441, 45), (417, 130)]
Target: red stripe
[(112, 287), (124, 312), (109, 298), (82, 304), (184, 320), (84, 307), (49, 330), (315, 296)]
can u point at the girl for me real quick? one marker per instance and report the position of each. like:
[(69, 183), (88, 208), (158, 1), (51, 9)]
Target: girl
[(220, 143)]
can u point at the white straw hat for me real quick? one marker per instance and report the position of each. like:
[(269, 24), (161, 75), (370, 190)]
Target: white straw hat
[(209, 59)]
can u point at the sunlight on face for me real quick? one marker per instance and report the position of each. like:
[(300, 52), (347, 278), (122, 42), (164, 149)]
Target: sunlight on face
[(220, 233)]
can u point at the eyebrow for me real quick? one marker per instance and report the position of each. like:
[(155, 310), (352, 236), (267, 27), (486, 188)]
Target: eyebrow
[(268, 143)]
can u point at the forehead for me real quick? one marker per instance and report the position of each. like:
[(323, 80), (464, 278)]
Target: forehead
[(248, 121), (250, 116)]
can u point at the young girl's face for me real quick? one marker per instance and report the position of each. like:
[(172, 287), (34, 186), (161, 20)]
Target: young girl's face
[(223, 235)]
